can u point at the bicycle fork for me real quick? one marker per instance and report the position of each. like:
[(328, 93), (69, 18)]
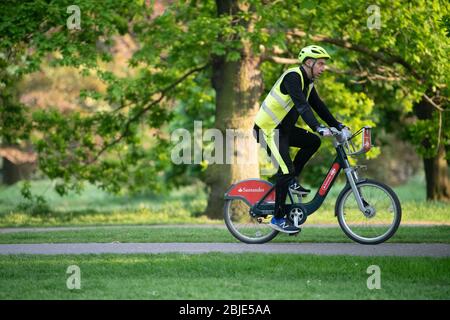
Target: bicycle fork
[(352, 178)]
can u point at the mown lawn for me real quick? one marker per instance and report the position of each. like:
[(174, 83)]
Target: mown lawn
[(223, 276), (96, 207), (184, 205), (440, 234)]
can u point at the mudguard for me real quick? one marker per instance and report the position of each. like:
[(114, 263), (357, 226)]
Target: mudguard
[(251, 191)]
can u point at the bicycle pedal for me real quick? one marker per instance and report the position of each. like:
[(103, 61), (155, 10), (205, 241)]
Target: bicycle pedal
[(300, 194), (304, 195), (295, 234)]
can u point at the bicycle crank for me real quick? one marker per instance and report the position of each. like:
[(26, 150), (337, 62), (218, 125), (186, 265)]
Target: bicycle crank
[(297, 216)]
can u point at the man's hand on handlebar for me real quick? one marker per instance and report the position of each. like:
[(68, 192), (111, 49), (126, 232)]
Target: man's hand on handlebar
[(346, 132), (328, 132), (324, 131)]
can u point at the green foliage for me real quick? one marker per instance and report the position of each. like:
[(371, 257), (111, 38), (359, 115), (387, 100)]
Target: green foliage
[(424, 135), (195, 104), (33, 205), (445, 22), (379, 73), (404, 59), (122, 141), (41, 26)]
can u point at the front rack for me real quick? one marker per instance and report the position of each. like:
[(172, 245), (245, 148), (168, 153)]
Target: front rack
[(356, 146)]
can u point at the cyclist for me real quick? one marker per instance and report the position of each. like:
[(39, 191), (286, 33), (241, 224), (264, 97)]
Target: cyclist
[(292, 96)]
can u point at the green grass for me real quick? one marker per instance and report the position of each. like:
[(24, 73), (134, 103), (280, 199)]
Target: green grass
[(184, 205), (96, 207), (439, 234), (96, 200), (223, 276)]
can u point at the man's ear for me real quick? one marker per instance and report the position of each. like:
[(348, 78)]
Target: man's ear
[(307, 62)]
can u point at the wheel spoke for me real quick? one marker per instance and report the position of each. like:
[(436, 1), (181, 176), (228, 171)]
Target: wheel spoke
[(374, 226), (245, 227)]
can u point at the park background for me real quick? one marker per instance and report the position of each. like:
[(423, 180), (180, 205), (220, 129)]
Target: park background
[(91, 92)]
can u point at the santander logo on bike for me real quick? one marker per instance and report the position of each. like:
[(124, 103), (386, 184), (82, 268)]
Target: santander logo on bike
[(252, 190), (244, 189), (329, 179)]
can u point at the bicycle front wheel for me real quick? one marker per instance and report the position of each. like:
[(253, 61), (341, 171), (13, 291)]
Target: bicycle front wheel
[(381, 219), (243, 226)]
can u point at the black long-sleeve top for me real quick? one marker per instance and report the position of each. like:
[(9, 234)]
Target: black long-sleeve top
[(302, 107)]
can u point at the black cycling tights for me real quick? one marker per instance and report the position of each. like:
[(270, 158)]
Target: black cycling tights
[(308, 144)]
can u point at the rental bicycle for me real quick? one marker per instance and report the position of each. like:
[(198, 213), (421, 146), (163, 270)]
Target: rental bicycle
[(368, 211)]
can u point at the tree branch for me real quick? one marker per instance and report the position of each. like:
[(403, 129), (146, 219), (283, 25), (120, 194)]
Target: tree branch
[(381, 55), (432, 102), (366, 74), (146, 108), (281, 60)]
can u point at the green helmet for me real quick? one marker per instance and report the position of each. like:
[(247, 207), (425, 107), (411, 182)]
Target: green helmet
[(314, 52)]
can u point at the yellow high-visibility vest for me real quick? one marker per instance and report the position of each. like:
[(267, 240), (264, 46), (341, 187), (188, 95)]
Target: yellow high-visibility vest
[(277, 105)]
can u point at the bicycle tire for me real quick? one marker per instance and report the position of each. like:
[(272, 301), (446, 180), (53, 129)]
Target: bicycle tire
[(239, 235), (351, 233)]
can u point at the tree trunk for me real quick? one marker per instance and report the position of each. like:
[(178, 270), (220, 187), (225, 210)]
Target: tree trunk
[(238, 86), (436, 167), (13, 173), (436, 174)]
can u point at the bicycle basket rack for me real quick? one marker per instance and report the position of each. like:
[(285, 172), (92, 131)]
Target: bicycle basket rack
[(360, 142)]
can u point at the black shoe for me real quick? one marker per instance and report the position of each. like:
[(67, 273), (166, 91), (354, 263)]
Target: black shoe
[(296, 188)]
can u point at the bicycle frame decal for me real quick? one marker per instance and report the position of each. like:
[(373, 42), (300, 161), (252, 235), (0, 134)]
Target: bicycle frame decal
[(251, 191), (330, 177), (338, 164)]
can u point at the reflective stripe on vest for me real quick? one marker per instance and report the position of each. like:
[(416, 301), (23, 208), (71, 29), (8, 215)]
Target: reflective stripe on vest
[(270, 113), (284, 104), (276, 105)]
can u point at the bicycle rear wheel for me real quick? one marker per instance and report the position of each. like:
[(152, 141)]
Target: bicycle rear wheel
[(243, 226), (382, 218)]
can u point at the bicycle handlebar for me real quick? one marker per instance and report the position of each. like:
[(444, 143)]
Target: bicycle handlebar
[(335, 131), (344, 137), (339, 135)]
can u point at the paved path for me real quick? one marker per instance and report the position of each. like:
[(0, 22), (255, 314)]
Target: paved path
[(353, 249)]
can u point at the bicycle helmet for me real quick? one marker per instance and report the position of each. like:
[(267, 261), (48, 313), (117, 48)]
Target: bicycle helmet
[(314, 52)]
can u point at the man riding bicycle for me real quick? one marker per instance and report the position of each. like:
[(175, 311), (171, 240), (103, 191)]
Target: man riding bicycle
[(292, 96)]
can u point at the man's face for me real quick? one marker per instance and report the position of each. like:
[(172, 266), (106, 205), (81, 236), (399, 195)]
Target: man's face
[(319, 67)]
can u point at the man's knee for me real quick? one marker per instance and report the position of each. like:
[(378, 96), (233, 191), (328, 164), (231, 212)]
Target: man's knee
[(315, 142)]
